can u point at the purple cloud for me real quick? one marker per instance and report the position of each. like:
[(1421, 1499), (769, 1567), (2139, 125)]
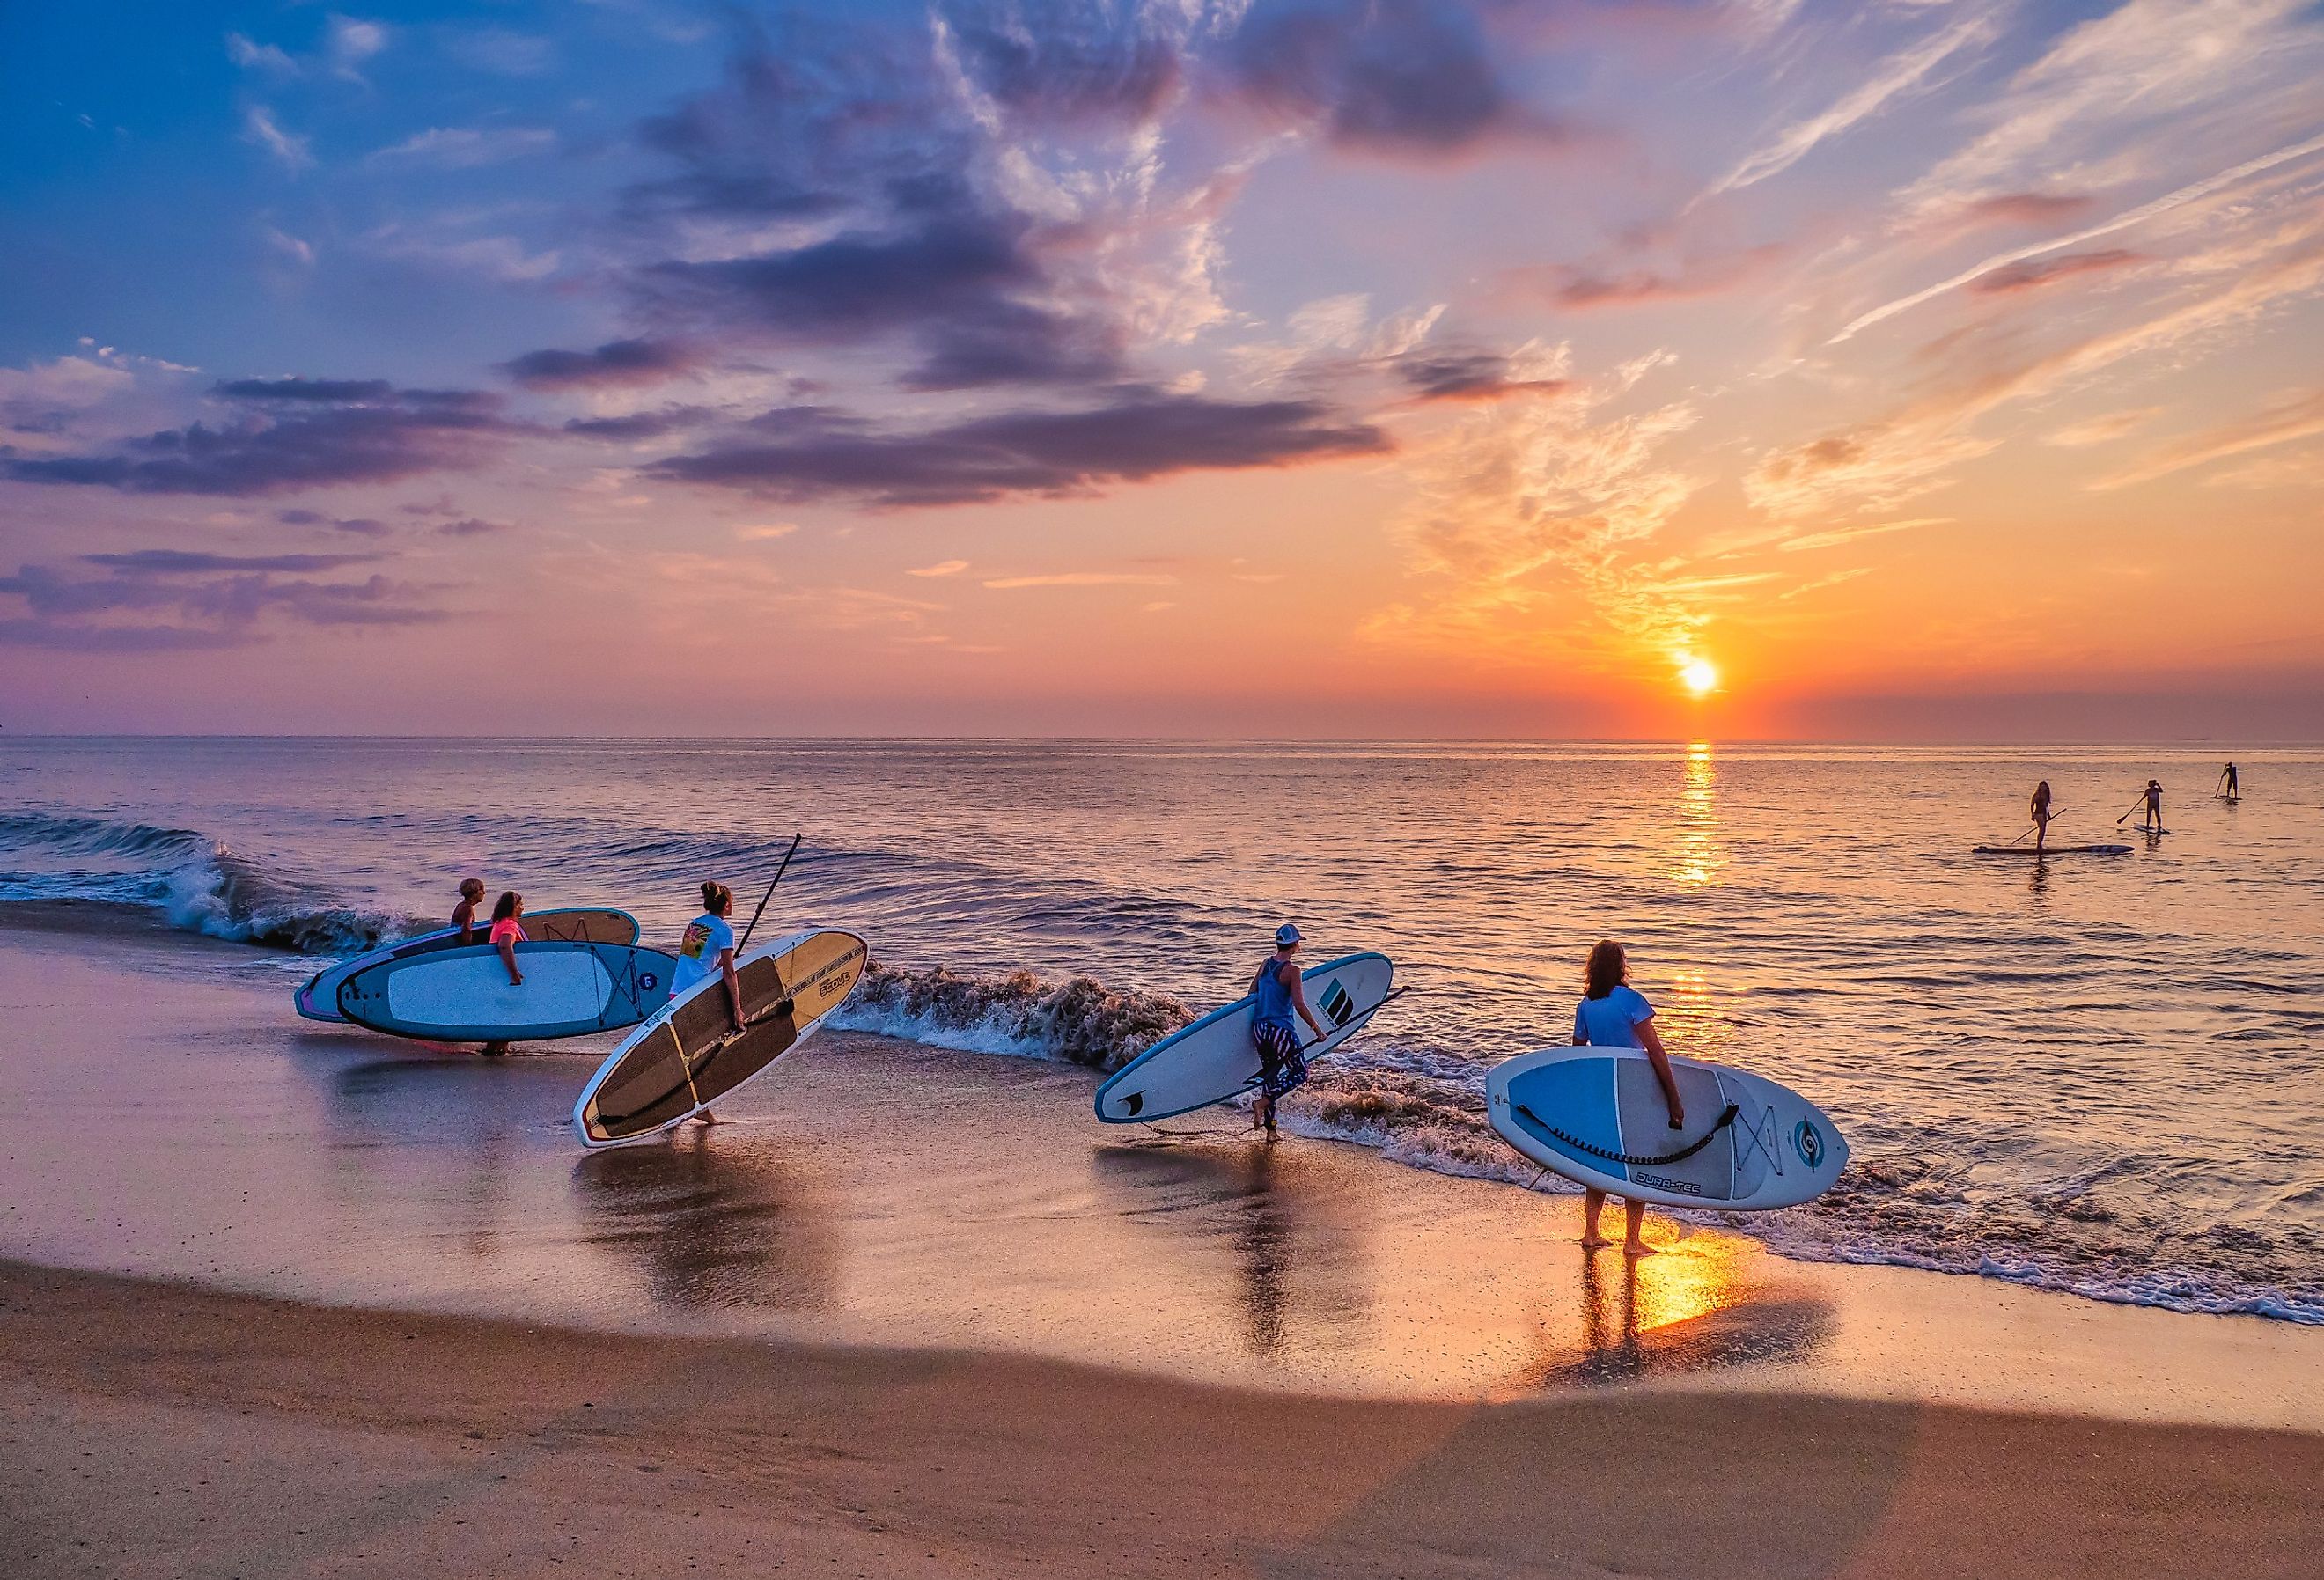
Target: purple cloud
[(295, 433), (158, 599), (807, 453), (614, 364), (1469, 376), (1407, 78)]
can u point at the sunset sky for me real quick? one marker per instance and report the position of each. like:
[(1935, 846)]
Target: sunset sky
[(1928, 370)]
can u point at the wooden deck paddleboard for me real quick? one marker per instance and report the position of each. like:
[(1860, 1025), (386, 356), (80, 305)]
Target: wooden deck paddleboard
[(689, 1055)]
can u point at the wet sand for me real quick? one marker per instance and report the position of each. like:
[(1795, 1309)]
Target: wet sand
[(913, 1312), (149, 1429)]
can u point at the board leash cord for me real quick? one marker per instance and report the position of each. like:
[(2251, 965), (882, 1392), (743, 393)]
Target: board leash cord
[(1632, 1158)]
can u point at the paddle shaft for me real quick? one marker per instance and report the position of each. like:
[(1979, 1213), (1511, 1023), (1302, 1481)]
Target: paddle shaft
[(2055, 813), (769, 894)]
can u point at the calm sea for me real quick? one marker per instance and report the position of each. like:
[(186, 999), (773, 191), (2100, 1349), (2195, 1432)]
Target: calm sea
[(2098, 1074)]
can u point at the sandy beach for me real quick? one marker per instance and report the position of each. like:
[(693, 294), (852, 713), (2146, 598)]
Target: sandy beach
[(384, 1315), (158, 1431)]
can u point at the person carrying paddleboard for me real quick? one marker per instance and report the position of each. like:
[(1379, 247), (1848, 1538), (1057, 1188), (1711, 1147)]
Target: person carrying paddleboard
[(706, 945), (2042, 816), (1282, 1068), (1614, 1014), (508, 932), (463, 915)]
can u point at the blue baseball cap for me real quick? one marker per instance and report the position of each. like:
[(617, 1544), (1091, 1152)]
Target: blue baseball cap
[(1285, 934)]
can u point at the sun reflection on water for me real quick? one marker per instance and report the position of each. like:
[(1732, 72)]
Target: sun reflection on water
[(1696, 855)]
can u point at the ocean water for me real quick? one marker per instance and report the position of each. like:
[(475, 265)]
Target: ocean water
[(2101, 1075)]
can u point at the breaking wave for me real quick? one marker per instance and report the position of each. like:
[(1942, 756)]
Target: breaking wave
[(1427, 1110), (185, 878), (1079, 1021)]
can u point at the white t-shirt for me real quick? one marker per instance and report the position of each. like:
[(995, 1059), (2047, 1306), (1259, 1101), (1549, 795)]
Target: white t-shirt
[(707, 937)]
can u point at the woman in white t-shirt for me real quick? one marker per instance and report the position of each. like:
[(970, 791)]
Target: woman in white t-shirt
[(1614, 1014), (709, 946)]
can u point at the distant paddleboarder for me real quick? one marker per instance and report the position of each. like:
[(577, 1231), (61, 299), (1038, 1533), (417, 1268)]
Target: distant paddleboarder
[(2150, 805), (1614, 1014), (1282, 1068), (2227, 787), (463, 915), (2042, 816), (709, 946)]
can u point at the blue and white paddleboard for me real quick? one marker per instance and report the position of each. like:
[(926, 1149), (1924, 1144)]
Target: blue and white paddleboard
[(465, 996), (1596, 1115), (1213, 1059), (319, 998)]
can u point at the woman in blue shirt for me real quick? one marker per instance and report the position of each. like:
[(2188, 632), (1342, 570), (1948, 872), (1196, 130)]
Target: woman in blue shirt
[(1614, 1014)]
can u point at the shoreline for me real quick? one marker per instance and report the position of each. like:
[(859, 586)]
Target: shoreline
[(221, 1434), (890, 1195)]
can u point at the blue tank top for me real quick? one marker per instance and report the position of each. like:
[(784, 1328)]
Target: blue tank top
[(1273, 1006)]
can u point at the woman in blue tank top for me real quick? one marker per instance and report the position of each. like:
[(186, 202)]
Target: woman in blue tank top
[(1282, 1068), (1614, 1014)]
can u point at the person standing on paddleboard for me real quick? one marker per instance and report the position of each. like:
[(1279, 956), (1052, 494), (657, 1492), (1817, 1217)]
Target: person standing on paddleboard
[(2150, 800), (463, 915), (2042, 816), (2228, 778), (1282, 1068), (1614, 1014), (709, 946)]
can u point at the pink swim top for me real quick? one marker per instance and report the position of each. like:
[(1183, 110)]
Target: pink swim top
[(508, 930)]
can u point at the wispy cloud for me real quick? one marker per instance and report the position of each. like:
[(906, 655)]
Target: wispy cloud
[(466, 147), (941, 568), (1085, 578), (259, 126), (2298, 418), (1899, 74), (2194, 192)]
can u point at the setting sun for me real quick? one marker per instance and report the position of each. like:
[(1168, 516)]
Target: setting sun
[(1699, 676)]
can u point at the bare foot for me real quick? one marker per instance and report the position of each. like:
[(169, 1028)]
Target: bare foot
[(1640, 1248), (1595, 1242)]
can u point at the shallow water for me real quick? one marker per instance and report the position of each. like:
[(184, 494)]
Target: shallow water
[(2093, 1074)]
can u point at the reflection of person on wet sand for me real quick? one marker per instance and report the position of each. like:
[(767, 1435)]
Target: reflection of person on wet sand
[(1614, 1014)]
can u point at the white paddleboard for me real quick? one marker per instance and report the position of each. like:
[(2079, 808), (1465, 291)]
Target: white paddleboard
[(1596, 1115), (319, 998), (1214, 1058), (465, 994)]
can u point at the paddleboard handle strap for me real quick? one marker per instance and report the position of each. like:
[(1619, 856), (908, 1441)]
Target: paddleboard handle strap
[(1634, 1158)]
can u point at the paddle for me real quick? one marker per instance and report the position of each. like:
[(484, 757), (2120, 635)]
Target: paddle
[(769, 894), (2127, 816), (2055, 813)]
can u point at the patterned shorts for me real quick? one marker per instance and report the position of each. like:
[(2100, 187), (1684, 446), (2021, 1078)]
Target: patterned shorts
[(1282, 1068)]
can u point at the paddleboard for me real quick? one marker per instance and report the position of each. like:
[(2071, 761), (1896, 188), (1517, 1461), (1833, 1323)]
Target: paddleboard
[(318, 999), (688, 1055), (1597, 1116), (2053, 850), (1213, 1059), (465, 996)]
